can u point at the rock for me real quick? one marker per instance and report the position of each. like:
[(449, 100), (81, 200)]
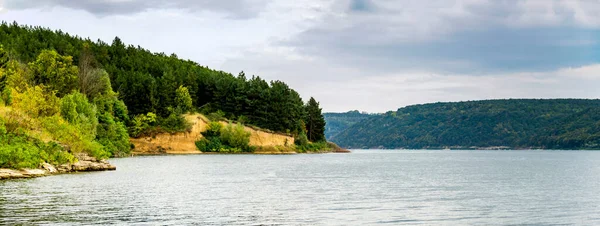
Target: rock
[(26, 173), (64, 168), (85, 163), (34, 172), (83, 166), (50, 168)]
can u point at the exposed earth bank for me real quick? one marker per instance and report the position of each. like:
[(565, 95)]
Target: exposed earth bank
[(184, 142)]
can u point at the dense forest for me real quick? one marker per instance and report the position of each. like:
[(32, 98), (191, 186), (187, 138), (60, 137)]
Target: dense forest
[(146, 81), (64, 93), (515, 123), (338, 122)]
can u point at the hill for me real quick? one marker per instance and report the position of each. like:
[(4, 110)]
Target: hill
[(338, 122), (63, 96), (515, 123)]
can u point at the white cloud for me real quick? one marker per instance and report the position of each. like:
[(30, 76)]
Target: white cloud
[(382, 56)]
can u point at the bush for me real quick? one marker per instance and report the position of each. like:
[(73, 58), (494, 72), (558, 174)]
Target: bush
[(6, 96), (229, 139), (236, 137), (216, 116), (301, 140), (113, 135), (141, 123), (20, 151), (78, 141), (36, 102), (314, 147), (77, 110), (174, 123)]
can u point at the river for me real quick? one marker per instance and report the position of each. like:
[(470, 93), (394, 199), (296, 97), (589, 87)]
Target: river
[(366, 187)]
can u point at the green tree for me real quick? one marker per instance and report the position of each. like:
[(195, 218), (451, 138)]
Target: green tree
[(315, 122), (183, 100), (77, 110), (56, 72)]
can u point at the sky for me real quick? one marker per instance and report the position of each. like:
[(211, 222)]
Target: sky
[(366, 55)]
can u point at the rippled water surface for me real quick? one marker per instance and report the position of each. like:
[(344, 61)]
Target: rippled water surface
[(362, 188)]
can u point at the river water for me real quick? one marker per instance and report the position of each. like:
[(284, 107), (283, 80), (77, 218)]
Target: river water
[(366, 187)]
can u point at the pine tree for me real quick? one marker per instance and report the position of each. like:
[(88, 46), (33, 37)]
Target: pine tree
[(315, 122)]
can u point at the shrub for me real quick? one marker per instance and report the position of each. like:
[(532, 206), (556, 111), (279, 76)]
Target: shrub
[(301, 140), (231, 139), (36, 102), (216, 116), (234, 136), (78, 141), (20, 151), (174, 123), (314, 147), (77, 110)]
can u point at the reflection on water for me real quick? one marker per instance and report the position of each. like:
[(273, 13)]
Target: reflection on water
[(365, 187)]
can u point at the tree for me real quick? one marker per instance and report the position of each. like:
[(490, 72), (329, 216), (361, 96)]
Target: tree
[(56, 72), (183, 100), (77, 110), (92, 81), (315, 122)]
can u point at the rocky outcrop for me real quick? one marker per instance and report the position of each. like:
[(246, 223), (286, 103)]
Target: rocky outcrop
[(85, 164)]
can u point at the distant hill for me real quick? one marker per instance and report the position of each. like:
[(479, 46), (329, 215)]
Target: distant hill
[(515, 123), (338, 122)]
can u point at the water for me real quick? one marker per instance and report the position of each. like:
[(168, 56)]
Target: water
[(363, 188)]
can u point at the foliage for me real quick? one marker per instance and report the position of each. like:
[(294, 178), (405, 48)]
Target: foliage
[(36, 102), (111, 131), (113, 135), (141, 123), (216, 116), (94, 82), (17, 76), (77, 110), (148, 82), (234, 136), (78, 140), (56, 72), (174, 123), (338, 122), (315, 123), (516, 123), (6, 96), (301, 140), (321, 146), (20, 151), (228, 139), (183, 100)]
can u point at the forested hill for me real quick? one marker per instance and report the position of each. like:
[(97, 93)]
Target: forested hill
[(515, 123), (62, 96), (146, 81), (338, 122)]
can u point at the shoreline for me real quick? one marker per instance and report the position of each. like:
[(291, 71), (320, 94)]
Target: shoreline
[(90, 164), (84, 164)]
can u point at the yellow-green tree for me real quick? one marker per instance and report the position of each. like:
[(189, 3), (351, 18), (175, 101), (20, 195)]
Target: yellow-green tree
[(56, 72), (183, 100)]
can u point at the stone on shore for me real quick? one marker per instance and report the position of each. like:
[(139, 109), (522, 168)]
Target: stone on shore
[(85, 164)]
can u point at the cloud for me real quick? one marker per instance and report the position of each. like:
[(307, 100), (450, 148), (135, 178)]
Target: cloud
[(344, 87), (456, 36), (373, 55), (233, 8)]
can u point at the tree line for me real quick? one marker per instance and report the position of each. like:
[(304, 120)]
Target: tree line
[(147, 83), (514, 123)]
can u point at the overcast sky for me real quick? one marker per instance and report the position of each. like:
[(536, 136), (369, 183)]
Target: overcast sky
[(369, 55)]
